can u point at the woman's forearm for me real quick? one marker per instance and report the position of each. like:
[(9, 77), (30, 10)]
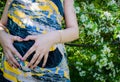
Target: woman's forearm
[(69, 34), (63, 36), (2, 31)]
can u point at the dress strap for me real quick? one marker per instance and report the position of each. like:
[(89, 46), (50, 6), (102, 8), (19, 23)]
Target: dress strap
[(59, 4)]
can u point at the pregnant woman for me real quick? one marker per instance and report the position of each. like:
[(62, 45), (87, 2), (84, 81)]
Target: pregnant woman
[(32, 39)]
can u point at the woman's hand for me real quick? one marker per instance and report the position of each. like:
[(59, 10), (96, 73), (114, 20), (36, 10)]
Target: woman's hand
[(42, 45), (6, 41)]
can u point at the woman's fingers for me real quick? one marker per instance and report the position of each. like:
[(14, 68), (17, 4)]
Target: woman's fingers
[(38, 60), (30, 37), (17, 38), (32, 49), (7, 59), (33, 60), (45, 60), (40, 44), (15, 52), (11, 58), (14, 61), (29, 52), (12, 64)]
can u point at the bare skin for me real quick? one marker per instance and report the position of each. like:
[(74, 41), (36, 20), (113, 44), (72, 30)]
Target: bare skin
[(41, 46), (7, 45)]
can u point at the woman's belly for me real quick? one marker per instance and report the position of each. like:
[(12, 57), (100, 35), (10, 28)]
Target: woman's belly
[(55, 55), (32, 18)]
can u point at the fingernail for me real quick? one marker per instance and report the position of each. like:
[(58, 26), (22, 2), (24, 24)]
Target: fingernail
[(22, 59), (28, 66), (18, 66), (24, 39), (21, 38), (43, 66), (32, 67), (15, 66)]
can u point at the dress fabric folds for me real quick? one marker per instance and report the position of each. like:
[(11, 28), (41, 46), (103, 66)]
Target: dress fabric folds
[(33, 17)]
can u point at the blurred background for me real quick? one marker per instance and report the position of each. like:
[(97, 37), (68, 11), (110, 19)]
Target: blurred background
[(95, 56)]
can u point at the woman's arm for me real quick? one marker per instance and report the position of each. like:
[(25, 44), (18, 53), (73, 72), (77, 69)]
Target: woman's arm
[(4, 17), (43, 42), (6, 40), (71, 32)]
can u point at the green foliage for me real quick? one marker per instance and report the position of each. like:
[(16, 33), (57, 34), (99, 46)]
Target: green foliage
[(2, 3), (99, 25)]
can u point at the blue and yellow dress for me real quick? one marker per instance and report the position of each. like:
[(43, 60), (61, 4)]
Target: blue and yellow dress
[(32, 17)]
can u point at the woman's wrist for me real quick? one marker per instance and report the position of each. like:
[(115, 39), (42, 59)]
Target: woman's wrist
[(58, 36), (1, 30), (1, 33), (55, 36), (2, 27)]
